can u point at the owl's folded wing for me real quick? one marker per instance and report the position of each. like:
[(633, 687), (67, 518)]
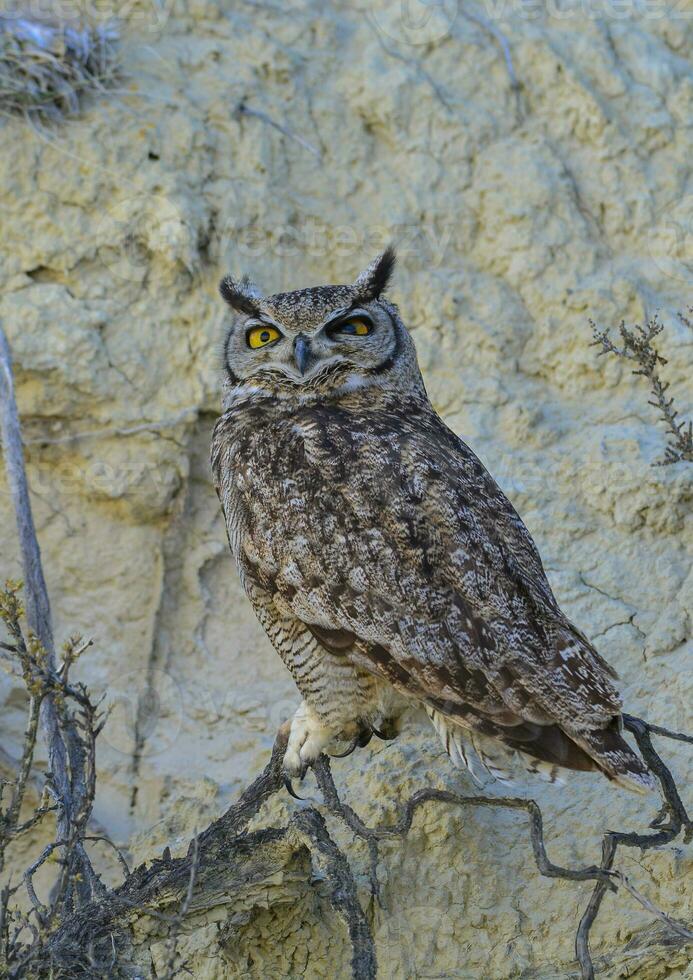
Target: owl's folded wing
[(431, 572), (425, 562)]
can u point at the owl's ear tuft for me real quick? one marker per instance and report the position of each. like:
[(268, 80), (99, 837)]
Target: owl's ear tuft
[(241, 294), (373, 280)]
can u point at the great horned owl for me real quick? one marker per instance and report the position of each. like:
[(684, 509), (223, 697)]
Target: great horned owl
[(382, 559)]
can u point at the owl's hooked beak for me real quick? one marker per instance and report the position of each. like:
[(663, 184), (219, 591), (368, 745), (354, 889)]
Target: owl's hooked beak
[(301, 353)]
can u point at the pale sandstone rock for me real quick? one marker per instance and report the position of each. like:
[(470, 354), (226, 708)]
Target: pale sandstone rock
[(518, 218)]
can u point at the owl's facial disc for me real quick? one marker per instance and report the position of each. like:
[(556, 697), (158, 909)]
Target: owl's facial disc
[(361, 338)]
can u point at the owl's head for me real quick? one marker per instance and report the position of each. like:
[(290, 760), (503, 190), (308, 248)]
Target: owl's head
[(321, 340)]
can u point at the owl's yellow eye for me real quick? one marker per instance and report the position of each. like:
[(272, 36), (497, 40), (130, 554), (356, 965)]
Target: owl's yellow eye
[(261, 336), (356, 327)]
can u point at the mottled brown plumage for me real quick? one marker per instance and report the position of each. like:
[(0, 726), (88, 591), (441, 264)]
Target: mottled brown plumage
[(382, 559)]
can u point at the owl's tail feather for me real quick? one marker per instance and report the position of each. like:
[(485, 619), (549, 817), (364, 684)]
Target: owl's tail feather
[(615, 757), (481, 754), (543, 750)]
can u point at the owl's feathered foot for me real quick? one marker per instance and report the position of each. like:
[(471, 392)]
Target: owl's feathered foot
[(308, 737)]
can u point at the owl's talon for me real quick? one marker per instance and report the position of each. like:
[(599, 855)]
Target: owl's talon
[(343, 755), (388, 732), (288, 783)]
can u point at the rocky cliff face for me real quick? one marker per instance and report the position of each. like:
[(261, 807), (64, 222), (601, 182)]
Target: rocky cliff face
[(291, 142)]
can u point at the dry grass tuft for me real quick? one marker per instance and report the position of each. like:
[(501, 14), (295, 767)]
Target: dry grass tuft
[(46, 68)]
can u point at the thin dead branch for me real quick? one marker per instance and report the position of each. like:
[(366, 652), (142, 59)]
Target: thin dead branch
[(174, 422), (69, 720), (245, 110), (78, 724), (342, 890), (486, 25), (673, 924), (170, 969), (36, 595)]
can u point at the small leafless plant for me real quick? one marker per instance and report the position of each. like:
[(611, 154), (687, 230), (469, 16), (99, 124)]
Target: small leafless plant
[(23, 936), (46, 68), (28, 939), (639, 348)]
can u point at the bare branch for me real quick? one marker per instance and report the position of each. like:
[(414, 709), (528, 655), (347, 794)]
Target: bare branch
[(170, 970), (71, 760), (343, 897), (582, 939), (37, 605), (119, 854), (38, 612), (245, 110), (677, 927), (485, 24), (667, 733)]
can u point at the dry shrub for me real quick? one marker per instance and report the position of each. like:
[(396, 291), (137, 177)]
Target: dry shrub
[(46, 68)]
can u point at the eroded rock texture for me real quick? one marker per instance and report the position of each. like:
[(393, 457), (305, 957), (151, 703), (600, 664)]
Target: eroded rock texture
[(291, 142)]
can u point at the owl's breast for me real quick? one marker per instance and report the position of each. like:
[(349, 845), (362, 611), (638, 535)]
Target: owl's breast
[(281, 478)]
